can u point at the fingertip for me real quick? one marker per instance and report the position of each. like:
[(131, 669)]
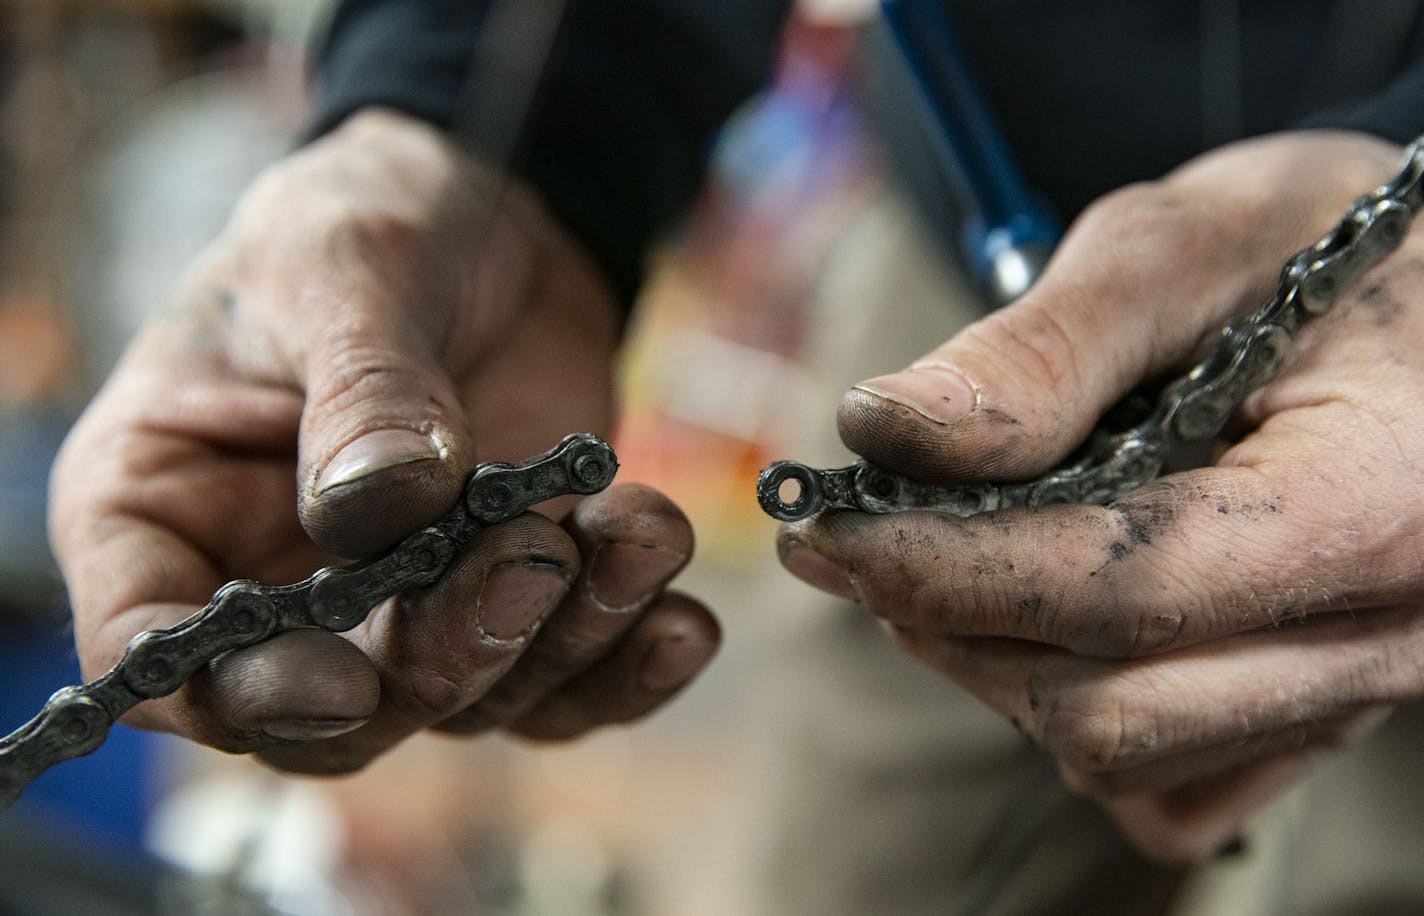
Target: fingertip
[(817, 570), (636, 540), (919, 423), (1194, 822), (624, 577), (631, 513), (684, 638), (384, 447), (671, 645), (301, 685), (357, 516), (881, 427), (935, 391)]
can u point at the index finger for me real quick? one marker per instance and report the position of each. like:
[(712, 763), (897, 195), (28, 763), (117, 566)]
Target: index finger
[(1189, 558)]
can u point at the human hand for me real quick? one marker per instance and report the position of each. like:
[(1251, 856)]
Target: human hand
[(1183, 651), (381, 313)]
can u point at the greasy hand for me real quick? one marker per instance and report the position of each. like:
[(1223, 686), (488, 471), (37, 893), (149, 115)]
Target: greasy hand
[(1183, 651), (380, 315)]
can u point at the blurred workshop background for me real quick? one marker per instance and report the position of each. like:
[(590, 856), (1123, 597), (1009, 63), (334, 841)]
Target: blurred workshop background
[(127, 128)]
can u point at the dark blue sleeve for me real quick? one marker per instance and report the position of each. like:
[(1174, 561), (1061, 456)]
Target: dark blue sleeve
[(627, 103), (1395, 113)]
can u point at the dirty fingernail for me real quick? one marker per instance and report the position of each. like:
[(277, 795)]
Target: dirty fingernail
[(671, 662), (623, 577), (935, 391), (516, 596), (816, 570), (310, 729), (375, 451)]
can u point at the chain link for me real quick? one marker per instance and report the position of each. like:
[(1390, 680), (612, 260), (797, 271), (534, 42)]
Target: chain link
[(1192, 409), (76, 720)]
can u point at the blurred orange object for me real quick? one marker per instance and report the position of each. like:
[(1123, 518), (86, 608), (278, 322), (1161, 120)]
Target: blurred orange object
[(37, 353)]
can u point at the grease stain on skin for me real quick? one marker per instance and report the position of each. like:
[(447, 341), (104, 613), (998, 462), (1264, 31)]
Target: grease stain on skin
[(1140, 520), (1384, 307), (994, 415), (1154, 510), (1145, 514)]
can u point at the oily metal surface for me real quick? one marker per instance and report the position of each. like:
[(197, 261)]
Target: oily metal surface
[(76, 720), (1192, 409)]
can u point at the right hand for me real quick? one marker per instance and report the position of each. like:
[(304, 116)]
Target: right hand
[(1184, 650), (381, 313)]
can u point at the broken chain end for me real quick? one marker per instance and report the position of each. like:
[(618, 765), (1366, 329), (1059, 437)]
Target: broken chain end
[(809, 498)]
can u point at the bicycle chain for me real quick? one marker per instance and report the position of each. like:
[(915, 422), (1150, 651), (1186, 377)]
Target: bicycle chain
[(76, 720), (1192, 409)]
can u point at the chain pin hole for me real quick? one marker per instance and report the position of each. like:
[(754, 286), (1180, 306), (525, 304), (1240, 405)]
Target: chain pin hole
[(790, 492)]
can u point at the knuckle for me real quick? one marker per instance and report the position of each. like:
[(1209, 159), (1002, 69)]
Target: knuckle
[(1155, 629), (639, 513), (1034, 342), (1080, 783), (362, 238), (1089, 625), (431, 694), (1083, 739), (1135, 630), (1146, 214), (1111, 211), (1097, 730), (359, 372)]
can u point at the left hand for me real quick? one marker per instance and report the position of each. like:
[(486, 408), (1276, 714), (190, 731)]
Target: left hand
[(1183, 651), (383, 312)]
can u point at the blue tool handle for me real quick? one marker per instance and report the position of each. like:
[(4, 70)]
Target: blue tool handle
[(1011, 225)]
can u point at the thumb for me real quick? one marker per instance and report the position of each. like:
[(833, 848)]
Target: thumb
[(384, 442), (1143, 274), (1011, 394)]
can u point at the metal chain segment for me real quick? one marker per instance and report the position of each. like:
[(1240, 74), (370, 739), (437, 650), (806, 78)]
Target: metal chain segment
[(1192, 409), (76, 720)]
